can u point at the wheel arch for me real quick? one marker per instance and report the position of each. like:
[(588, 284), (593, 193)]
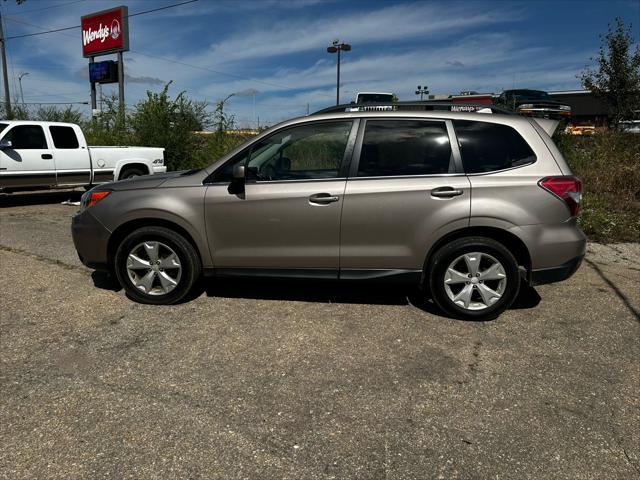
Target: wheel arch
[(126, 228), (124, 165), (508, 239)]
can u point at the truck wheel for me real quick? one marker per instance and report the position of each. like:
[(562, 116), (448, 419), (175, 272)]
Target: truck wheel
[(474, 278), (131, 173), (156, 265)]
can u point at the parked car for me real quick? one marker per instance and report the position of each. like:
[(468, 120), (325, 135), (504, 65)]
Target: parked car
[(467, 205), (535, 103), (581, 130), (41, 155), (630, 126)]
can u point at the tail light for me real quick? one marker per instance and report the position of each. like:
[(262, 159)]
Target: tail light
[(566, 188)]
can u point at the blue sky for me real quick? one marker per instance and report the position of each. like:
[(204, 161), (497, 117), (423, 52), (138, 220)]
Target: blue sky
[(278, 48)]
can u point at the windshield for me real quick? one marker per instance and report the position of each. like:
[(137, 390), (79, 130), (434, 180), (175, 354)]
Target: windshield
[(535, 94)]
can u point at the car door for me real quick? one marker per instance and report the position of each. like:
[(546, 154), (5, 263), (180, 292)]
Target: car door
[(405, 190), (288, 217), (29, 161), (72, 157)]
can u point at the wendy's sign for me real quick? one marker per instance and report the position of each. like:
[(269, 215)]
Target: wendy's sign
[(105, 32)]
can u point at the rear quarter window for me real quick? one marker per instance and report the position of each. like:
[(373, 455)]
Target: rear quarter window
[(64, 137), (488, 147)]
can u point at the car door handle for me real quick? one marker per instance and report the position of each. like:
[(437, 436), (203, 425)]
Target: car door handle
[(46, 156), (323, 198), (446, 192)]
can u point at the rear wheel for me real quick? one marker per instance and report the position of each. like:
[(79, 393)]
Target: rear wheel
[(474, 278), (157, 265), (131, 173)]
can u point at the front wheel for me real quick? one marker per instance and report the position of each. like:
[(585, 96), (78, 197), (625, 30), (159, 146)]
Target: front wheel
[(473, 278), (157, 265)]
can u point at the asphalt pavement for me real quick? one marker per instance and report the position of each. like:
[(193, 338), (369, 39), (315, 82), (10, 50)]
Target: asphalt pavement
[(307, 380)]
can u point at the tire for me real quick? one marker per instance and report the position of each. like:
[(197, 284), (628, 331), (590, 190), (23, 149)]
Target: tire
[(131, 173), (496, 274), (153, 284)]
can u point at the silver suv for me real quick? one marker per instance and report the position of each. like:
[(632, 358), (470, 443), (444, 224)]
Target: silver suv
[(467, 205)]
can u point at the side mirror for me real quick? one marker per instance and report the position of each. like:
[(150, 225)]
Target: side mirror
[(239, 172), (237, 183), (5, 144)]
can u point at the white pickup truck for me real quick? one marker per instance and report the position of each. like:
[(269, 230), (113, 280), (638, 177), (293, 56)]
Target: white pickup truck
[(40, 155)]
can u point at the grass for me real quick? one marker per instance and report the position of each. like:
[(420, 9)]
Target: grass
[(608, 164)]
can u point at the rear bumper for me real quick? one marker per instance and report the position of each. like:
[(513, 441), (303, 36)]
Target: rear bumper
[(159, 169), (91, 240), (543, 276)]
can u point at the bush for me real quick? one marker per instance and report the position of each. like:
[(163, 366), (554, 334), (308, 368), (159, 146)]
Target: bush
[(609, 165)]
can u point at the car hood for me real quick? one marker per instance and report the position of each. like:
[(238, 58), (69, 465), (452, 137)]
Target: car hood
[(147, 181)]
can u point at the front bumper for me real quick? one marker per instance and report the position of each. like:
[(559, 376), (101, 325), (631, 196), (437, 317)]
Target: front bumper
[(91, 240), (556, 274)]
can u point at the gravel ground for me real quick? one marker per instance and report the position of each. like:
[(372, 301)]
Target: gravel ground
[(308, 380)]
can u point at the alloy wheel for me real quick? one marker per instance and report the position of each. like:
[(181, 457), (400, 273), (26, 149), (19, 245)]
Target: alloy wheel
[(475, 281), (153, 268)]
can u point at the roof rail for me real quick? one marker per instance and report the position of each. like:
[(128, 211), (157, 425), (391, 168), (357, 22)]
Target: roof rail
[(412, 106)]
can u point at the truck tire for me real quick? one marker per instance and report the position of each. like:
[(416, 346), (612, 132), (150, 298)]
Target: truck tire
[(130, 173)]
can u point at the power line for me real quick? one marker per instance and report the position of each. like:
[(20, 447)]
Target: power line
[(177, 62), (55, 30), (46, 8)]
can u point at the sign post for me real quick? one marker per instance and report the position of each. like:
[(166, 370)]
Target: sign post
[(104, 33)]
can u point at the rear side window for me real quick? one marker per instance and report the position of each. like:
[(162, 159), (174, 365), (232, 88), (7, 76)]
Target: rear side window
[(26, 137), (405, 147), (487, 147), (64, 137)]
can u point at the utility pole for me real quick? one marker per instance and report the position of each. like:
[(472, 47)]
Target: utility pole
[(5, 76)]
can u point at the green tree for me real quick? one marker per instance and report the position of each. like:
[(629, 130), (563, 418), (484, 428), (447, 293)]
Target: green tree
[(616, 77), (160, 121)]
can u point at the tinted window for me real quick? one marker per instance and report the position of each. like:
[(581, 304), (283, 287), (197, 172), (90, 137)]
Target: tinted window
[(64, 137), (311, 151), (26, 137), (487, 147), (3, 126), (405, 147)]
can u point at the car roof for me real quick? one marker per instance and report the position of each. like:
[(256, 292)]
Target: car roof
[(505, 119), (37, 122)]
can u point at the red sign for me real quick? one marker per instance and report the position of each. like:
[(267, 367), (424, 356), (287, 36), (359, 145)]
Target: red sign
[(105, 32)]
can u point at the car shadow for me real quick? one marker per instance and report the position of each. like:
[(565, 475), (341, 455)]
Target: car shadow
[(321, 291), (46, 197)]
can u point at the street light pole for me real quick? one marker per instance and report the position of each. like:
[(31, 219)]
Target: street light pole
[(422, 91), (23, 74), (337, 47)]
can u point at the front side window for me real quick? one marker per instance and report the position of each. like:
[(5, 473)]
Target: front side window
[(305, 152), (64, 137), (487, 147), (405, 147), (26, 137)]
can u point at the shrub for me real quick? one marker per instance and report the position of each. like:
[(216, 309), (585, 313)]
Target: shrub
[(609, 165)]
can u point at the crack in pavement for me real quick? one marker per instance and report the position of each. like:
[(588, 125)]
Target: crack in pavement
[(42, 258)]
